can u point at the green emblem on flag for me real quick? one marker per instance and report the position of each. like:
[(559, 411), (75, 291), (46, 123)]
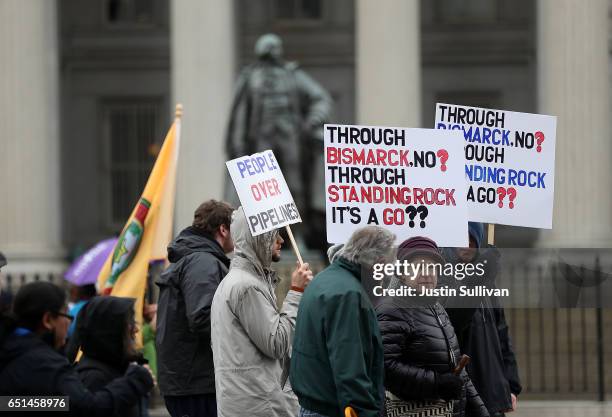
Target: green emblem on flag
[(127, 245)]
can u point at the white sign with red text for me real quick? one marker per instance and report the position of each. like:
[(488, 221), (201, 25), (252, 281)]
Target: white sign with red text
[(410, 181), (263, 192)]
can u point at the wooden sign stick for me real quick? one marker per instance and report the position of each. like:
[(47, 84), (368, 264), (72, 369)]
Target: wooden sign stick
[(491, 234), (295, 246)]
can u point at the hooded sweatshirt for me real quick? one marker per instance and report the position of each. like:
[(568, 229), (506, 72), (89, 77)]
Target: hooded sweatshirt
[(251, 338), (186, 289), (102, 333)]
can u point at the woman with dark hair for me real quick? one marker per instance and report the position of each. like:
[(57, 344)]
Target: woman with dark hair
[(30, 363), (106, 330), (421, 352)]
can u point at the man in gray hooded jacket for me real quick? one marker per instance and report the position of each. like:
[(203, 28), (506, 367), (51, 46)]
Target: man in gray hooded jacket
[(251, 338)]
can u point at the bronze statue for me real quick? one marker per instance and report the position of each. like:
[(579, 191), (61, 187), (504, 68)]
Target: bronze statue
[(278, 106)]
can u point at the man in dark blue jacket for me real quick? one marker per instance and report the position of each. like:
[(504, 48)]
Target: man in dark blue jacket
[(483, 332), (198, 264)]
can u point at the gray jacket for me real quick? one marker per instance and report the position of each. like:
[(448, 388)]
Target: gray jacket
[(251, 339)]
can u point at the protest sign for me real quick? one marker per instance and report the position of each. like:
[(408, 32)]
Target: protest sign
[(510, 163), (263, 192), (409, 181)]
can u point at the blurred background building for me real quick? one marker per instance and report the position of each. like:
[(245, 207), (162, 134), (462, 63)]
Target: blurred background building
[(87, 91)]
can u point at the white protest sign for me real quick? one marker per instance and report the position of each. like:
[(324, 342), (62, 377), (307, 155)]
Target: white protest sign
[(510, 163), (409, 181), (263, 192)]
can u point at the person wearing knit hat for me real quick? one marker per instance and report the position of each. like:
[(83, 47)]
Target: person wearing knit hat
[(419, 245), (417, 250), (482, 329), (420, 348)]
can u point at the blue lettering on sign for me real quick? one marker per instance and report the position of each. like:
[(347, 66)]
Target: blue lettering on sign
[(480, 134), (256, 164), (497, 175), (523, 178)]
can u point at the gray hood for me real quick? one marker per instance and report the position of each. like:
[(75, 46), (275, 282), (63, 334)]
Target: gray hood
[(257, 250), (251, 336)]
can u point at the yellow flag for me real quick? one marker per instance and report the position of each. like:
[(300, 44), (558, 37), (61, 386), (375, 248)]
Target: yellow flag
[(148, 230)]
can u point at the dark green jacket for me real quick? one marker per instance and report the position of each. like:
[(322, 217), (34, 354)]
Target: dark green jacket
[(337, 358)]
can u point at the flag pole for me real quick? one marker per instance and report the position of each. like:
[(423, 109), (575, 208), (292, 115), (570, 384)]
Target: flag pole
[(295, 246)]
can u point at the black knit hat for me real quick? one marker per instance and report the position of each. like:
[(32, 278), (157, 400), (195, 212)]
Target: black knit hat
[(419, 245)]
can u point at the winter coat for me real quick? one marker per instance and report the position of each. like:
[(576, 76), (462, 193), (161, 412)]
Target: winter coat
[(337, 357), (483, 335), (101, 331), (493, 368), (186, 290), (419, 344), (29, 366), (251, 338)]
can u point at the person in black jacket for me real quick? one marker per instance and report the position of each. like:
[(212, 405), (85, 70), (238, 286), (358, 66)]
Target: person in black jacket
[(186, 289), (483, 333), (421, 350), (30, 363), (106, 329)]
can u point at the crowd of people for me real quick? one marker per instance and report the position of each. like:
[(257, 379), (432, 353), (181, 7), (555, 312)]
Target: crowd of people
[(224, 347)]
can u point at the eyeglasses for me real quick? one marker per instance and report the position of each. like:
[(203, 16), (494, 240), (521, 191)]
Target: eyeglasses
[(68, 316)]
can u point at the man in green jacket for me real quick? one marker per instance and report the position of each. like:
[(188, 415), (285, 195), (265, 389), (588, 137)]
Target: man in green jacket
[(337, 358)]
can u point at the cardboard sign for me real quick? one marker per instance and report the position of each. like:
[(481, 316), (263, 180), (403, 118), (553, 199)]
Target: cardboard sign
[(409, 181), (510, 163), (263, 192)]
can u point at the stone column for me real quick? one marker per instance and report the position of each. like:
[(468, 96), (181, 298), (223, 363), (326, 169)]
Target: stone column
[(574, 85), (203, 74), (388, 62), (30, 189)]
